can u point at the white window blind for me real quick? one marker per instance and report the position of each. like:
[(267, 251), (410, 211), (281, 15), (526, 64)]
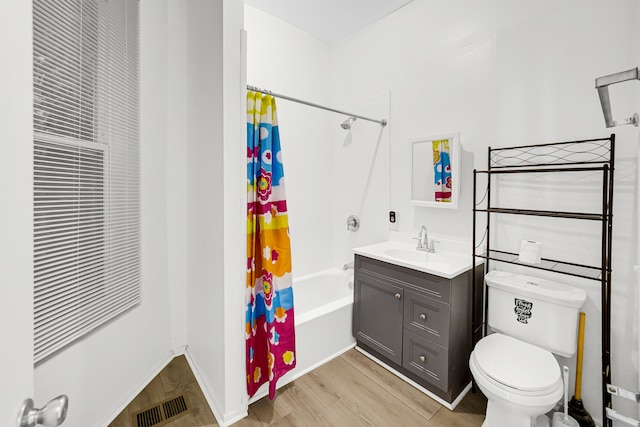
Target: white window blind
[(86, 167)]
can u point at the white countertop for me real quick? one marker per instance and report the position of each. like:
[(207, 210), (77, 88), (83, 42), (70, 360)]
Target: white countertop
[(451, 258)]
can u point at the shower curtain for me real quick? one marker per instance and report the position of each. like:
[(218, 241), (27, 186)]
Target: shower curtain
[(442, 170), (270, 332)]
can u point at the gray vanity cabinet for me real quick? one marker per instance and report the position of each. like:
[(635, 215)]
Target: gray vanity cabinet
[(417, 323)]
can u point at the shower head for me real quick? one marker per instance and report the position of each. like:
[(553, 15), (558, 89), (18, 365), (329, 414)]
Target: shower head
[(346, 125)]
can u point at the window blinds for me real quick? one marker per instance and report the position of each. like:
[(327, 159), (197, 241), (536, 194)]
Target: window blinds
[(86, 167)]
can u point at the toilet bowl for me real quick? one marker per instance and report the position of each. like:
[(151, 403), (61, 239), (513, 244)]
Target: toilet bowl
[(532, 320), (520, 381)]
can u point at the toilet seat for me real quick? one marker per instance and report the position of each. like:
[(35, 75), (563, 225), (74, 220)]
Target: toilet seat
[(515, 366)]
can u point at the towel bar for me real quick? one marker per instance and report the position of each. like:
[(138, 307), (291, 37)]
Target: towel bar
[(626, 394), (602, 85), (613, 415)]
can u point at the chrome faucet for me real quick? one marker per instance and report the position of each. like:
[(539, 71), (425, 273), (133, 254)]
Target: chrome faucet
[(348, 266), (424, 244)]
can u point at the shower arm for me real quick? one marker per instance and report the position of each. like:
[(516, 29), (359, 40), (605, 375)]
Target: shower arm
[(602, 85)]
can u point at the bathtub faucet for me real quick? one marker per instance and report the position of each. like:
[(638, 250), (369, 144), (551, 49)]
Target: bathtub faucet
[(348, 266)]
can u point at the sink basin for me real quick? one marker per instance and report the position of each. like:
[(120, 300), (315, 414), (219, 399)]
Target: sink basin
[(414, 255)]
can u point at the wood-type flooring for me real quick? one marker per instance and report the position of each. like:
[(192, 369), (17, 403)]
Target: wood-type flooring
[(350, 390)]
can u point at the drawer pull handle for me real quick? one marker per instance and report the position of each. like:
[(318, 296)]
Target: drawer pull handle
[(423, 316), (398, 296), (422, 359)]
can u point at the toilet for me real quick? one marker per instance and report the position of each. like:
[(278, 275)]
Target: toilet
[(531, 319)]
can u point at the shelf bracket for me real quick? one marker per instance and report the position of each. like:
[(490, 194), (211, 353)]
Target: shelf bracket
[(629, 395), (602, 85), (613, 415)]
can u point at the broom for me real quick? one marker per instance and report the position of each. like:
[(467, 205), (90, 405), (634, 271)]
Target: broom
[(576, 408)]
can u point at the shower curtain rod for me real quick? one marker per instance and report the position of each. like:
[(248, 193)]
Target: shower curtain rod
[(382, 122)]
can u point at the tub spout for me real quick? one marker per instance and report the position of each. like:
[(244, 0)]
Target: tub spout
[(348, 266)]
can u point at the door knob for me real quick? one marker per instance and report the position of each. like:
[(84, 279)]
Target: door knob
[(52, 414)]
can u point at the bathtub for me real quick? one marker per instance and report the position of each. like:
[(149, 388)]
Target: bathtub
[(323, 305)]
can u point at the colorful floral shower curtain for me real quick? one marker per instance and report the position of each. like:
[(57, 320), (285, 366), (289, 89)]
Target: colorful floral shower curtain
[(270, 332), (442, 170)]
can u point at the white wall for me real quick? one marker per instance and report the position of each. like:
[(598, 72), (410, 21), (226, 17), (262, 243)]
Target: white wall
[(286, 60), (204, 193), (192, 221), (176, 164), (329, 172), (499, 72), (102, 372), (509, 73), (235, 209), (216, 205), (360, 177), (193, 210)]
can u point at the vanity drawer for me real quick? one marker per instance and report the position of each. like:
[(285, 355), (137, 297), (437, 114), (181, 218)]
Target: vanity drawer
[(425, 359), (427, 317), (434, 286)]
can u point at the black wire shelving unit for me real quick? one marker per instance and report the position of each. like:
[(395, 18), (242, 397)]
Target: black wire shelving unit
[(593, 155)]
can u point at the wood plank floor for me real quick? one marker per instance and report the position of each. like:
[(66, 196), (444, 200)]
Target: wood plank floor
[(174, 380), (350, 390)]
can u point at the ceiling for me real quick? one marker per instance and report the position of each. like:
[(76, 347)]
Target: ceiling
[(328, 20)]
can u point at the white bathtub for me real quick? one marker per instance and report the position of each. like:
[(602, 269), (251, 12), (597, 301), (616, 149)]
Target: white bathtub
[(321, 293), (323, 304)]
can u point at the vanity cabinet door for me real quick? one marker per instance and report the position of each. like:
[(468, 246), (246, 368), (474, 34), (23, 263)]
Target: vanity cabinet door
[(377, 316)]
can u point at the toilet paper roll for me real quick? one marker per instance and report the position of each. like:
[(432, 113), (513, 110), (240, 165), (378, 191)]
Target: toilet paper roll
[(530, 252)]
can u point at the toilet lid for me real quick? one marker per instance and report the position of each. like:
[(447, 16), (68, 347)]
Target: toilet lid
[(516, 364)]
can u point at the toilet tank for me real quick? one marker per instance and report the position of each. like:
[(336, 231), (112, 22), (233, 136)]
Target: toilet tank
[(539, 311)]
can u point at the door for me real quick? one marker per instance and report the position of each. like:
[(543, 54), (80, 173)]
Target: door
[(16, 207), (377, 316)]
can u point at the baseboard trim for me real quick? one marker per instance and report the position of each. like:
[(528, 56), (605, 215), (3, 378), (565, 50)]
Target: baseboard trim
[(223, 420), (226, 419), (155, 371), (451, 406)]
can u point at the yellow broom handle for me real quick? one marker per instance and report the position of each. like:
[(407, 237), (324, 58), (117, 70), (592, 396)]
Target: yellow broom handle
[(579, 357)]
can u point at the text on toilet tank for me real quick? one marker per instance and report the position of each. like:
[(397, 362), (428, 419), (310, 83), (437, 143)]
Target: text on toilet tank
[(523, 310)]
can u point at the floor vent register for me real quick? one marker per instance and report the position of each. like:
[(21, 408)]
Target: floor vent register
[(163, 413)]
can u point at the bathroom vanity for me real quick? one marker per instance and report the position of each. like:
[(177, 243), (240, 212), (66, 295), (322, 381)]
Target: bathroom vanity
[(415, 322)]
